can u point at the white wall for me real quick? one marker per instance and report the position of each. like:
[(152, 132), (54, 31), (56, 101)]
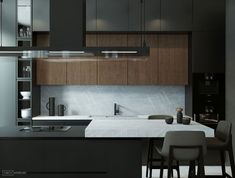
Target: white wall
[(99, 100)]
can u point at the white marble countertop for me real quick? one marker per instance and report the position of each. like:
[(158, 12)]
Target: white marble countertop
[(89, 117), (141, 128)]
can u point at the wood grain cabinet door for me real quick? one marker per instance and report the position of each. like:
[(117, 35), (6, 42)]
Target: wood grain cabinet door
[(51, 72), (173, 59), (82, 71), (112, 72), (144, 70)]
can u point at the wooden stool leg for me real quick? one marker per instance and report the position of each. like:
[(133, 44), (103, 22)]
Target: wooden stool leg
[(231, 159), (223, 164)]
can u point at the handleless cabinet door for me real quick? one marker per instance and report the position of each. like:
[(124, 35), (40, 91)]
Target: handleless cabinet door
[(135, 8), (173, 59), (112, 15), (176, 15), (8, 23), (51, 72), (91, 12), (209, 15), (41, 15), (152, 15)]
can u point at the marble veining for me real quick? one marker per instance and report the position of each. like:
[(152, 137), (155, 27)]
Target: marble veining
[(140, 128), (99, 100)]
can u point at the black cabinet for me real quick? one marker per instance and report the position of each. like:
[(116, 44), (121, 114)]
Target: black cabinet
[(67, 24), (176, 15), (112, 15), (152, 15), (208, 15), (134, 15), (208, 52), (91, 13)]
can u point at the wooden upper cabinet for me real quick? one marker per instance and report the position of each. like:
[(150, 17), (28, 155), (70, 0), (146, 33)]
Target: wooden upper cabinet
[(144, 70), (111, 40), (112, 72), (82, 71), (51, 72), (173, 59)]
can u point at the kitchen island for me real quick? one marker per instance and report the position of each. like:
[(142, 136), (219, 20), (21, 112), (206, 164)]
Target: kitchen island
[(105, 148)]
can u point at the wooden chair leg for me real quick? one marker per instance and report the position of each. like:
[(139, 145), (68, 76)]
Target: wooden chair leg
[(223, 164), (231, 159)]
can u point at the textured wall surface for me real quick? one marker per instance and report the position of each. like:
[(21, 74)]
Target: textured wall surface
[(99, 100), (230, 64)]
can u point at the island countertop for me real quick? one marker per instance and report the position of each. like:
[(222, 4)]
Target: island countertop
[(113, 128), (139, 128)]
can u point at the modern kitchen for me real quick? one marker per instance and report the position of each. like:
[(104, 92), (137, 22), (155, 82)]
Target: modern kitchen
[(117, 88)]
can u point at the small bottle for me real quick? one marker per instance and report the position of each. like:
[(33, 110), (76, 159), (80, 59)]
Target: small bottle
[(179, 115), (21, 33)]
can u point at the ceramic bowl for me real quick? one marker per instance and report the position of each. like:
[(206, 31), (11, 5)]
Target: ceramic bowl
[(186, 120), (26, 113), (169, 120), (25, 94)]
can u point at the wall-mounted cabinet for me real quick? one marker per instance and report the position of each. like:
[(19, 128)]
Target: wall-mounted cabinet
[(112, 15), (82, 71), (112, 72), (208, 52), (209, 15), (152, 15), (173, 59), (41, 15), (167, 63), (51, 72), (176, 15), (8, 23)]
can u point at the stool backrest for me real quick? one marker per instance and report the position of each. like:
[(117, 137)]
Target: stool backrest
[(189, 143), (223, 131)]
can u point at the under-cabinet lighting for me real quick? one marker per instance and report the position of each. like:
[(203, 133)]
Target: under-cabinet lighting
[(119, 52)]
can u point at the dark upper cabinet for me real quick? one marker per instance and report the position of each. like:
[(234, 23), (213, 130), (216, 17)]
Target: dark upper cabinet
[(134, 22), (176, 15), (112, 15), (209, 15), (91, 13), (152, 15), (67, 24), (208, 52)]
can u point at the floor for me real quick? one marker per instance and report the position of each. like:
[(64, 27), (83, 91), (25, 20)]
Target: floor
[(209, 170)]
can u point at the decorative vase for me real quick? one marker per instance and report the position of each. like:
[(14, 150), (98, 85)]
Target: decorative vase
[(179, 115)]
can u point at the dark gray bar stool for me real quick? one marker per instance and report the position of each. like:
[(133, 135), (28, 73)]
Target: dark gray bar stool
[(223, 142), (153, 159), (183, 146)]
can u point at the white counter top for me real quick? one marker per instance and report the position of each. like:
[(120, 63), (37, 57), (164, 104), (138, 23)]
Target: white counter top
[(140, 128), (87, 117)]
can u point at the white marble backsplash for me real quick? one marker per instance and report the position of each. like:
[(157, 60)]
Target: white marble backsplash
[(99, 100)]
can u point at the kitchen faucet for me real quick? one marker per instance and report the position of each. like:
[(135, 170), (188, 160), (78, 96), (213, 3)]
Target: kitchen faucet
[(116, 109)]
